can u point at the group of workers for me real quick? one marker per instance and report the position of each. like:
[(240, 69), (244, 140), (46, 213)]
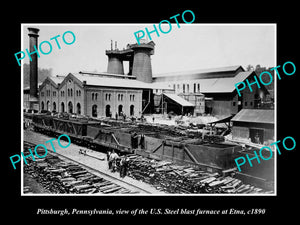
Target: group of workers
[(115, 161)]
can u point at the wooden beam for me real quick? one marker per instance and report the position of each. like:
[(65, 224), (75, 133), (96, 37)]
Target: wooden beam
[(157, 148), (115, 139), (190, 154)]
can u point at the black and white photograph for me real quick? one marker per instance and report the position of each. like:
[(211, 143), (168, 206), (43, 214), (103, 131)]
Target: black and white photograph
[(147, 116), (123, 112)]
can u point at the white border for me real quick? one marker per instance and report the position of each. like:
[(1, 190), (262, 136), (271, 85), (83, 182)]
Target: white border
[(143, 24)]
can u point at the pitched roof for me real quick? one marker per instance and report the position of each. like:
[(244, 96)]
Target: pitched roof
[(54, 80), (95, 80), (178, 99), (57, 79), (224, 84), (214, 85), (255, 116), (200, 72)]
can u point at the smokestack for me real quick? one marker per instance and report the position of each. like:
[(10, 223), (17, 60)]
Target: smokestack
[(115, 63), (142, 68), (33, 41)]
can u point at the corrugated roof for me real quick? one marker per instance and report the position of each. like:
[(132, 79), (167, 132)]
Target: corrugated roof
[(200, 71), (178, 99), (214, 85), (255, 116), (117, 82), (224, 84)]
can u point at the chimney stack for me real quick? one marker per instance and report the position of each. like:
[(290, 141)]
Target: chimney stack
[(141, 67), (33, 41)]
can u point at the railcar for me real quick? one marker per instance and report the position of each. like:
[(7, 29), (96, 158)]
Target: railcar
[(155, 142)]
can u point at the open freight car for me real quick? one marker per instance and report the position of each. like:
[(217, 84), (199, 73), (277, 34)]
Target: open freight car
[(76, 129)]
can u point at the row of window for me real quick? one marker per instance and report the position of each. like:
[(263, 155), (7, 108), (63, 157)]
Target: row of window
[(62, 93), (94, 109), (108, 112), (48, 92), (94, 95), (108, 97), (186, 88), (62, 107), (70, 93)]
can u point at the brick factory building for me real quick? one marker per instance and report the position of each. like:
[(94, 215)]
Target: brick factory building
[(109, 93), (209, 91)]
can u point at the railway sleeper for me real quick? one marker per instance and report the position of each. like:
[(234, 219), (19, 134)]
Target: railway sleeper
[(102, 184), (107, 187), (112, 190)]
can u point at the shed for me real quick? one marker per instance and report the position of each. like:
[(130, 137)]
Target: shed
[(254, 124), (177, 104)]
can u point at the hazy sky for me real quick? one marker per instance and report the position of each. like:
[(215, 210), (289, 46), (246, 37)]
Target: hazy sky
[(192, 46)]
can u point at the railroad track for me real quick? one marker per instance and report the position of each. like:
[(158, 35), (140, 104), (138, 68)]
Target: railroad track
[(81, 178)]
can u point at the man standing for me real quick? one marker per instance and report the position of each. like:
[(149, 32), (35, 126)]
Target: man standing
[(113, 159), (123, 166), (108, 159), (142, 141)]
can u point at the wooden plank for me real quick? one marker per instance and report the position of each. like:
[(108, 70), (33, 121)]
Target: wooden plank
[(190, 155), (153, 151)]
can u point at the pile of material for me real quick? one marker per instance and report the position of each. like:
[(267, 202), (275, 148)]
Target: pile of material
[(211, 138), (171, 178), (62, 177)]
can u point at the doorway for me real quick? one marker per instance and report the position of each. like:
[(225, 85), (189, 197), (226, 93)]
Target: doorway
[(132, 110), (120, 109), (257, 135)]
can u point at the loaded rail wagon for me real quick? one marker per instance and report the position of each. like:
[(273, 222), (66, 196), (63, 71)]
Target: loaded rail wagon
[(161, 143)]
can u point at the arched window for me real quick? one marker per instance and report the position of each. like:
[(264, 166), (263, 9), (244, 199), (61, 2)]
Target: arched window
[(94, 110), (42, 105), (92, 96), (78, 106), (107, 111), (70, 107), (48, 106), (68, 92), (54, 107)]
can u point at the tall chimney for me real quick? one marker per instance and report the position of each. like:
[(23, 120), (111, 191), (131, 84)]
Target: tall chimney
[(141, 67), (33, 41)]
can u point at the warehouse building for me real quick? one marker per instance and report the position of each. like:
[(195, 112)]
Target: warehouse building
[(213, 90), (95, 95), (254, 125)]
